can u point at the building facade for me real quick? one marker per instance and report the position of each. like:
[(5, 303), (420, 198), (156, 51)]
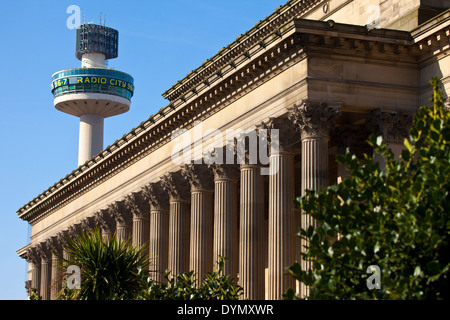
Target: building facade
[(215, 172)]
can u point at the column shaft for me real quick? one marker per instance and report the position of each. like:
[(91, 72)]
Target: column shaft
[(179, 235), (36, 276), (123, 232), (159, 243), (314, 120), (226, 236), (46, 268), (140, 234), (56, 277), (314, 164), (138, 205), (251, 233), (314, 176), (281, 225), (201, 238)]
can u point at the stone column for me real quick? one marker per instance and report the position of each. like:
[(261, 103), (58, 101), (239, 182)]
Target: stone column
[(28, 287), (393, 127), (46, 269), (352, 137), (35, 260), (87, 224), (226, 214), (57, 272), (201, 180), (123, 219), (61, 239), (281, 231), (251, 232), (159, 229), (72, 233), (106, 223), (314, 121), (179, 222), (139, 209)]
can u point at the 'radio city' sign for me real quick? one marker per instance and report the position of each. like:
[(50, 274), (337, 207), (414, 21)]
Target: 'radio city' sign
[(93, 80)]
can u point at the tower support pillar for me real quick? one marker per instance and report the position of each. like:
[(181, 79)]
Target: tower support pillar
[(91, 137)]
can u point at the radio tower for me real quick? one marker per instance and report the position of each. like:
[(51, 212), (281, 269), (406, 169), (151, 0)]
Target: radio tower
[(94, 91)]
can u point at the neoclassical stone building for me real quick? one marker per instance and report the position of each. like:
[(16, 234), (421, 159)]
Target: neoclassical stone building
[(315, 71)]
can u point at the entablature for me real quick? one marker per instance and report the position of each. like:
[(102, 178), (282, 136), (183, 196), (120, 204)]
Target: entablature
[(275, 52)]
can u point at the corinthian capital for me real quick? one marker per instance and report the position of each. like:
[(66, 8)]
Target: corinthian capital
[(393, 126), (61, 238), (105, 221), (120, 213), (136, 204), (314, 120), (280, 134), (33, 256), (54, 246), (157, 197), (199, 176), (225, 171), (353, 137), (87, 224), (43, 251), (74, 231), (175, 185)]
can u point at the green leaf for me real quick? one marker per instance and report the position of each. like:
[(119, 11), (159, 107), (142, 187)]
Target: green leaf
[(379, 141), (417, 271), (407, 144), (396, 217), (406, 155)]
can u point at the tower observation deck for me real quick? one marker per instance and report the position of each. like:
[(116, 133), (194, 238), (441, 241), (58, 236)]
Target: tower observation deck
[(93, 92)]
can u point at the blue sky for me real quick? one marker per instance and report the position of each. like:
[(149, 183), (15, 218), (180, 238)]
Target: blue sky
[(159, 43)]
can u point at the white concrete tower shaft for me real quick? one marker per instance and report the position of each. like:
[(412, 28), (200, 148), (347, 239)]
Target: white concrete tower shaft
[(91, 125), (91, 137), (93, 60)]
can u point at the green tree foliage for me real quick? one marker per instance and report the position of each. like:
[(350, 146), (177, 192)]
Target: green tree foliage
[(34, 295), (396, 218), (110, 269), (115, 270), (215, 286)]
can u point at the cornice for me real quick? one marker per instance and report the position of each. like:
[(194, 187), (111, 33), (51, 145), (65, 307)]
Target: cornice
[(262, 33), (259, 64), (433, 38), (428, 28), (156, 131), (23, 252)]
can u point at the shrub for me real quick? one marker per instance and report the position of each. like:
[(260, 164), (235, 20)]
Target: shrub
[(396, 218)]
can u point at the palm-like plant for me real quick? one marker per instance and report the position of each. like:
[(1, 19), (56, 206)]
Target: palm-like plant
[(110, 269), (215, 286)]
